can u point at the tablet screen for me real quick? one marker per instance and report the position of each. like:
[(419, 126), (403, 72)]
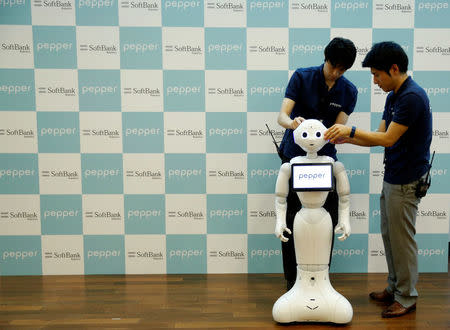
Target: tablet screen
[(312, 176)]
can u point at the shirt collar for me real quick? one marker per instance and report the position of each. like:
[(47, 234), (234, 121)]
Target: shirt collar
[(322, 80), (403, 86)]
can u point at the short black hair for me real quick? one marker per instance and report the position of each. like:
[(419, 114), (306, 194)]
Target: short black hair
[(384, 54), (340, 52)]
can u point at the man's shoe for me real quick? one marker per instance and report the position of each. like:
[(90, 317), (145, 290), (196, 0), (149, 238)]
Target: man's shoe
[(397, 309), (383, 296)]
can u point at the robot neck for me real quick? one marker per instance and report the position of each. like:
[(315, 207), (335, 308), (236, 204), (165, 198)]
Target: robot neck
[(311, 155)]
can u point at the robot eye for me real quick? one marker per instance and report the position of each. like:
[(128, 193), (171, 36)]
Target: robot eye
[(318, 134), (304, 135)]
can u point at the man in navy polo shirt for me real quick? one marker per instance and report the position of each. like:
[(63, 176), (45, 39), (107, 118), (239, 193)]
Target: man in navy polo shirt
[(321, 93), (405, 131)]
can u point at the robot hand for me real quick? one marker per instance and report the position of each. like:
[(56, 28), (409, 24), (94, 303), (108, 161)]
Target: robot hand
[(344, 228), (280, 228)]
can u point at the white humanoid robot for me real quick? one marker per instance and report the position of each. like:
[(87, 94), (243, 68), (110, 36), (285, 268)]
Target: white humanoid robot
[(312, 298)]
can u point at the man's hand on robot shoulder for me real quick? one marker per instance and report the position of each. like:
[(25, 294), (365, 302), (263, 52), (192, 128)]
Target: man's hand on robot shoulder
[(344, 229), (279, 231)]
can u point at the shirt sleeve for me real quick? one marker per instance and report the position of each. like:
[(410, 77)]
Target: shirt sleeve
[(293, 87), (408, 109), (353, 97)]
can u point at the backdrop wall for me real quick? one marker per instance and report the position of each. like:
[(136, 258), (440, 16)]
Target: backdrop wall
[(133, 138)]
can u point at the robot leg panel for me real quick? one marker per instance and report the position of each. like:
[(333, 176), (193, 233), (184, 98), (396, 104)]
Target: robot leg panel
[(313, 231)]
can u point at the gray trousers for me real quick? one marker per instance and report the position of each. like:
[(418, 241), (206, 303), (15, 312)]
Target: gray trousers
[(398, 210)]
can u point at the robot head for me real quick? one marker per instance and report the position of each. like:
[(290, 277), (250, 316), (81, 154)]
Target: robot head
[(309, 135)]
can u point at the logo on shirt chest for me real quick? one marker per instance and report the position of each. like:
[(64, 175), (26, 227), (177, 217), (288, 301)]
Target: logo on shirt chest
[(336, 105)]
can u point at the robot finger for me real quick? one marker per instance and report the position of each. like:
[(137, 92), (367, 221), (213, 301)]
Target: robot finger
[(284, 239), (288, 231)]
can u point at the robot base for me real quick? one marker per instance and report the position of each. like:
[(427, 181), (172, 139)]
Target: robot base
[(312, 299)]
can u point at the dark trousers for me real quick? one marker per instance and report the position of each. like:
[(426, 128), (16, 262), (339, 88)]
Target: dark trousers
[(293, 206)]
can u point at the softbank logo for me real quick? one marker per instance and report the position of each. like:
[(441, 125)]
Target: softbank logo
[(192, 49), (19, 215), (150, 6), (234, 254), (441, 134), (71, 175), (223, 91), (115, 216), (99, 48), (146, 254), (433, 50), (307, 48), (358, 215), (196, 134), (262, 214), (154, 175), (377, 173), (362, 51), (278, 135), (110, 133), (154, 92), (60, 90), (306, 5), (63, 5), (236, 174), (438, 214), (16, 47), (235, 7), (403, 8), (268, 49), (63, 255), (266, 5), (19, 132), (187, 214)]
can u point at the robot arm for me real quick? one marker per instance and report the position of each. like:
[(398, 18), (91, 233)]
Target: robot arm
[(281, 191), (343, 190)]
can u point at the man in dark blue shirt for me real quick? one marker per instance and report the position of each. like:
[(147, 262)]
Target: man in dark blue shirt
[(321, 93), (405, 131)]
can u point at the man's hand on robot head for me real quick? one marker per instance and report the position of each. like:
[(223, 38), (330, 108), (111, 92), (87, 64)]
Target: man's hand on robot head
[(279, 231), (344, 229)]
